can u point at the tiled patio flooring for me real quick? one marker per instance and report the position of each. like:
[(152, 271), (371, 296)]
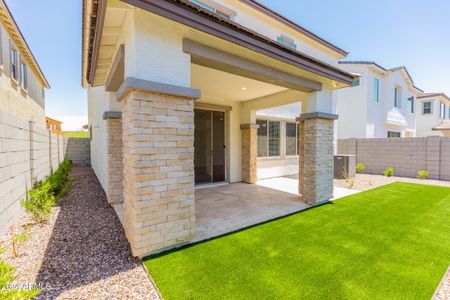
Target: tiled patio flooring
[(226, 208), (222, 209)]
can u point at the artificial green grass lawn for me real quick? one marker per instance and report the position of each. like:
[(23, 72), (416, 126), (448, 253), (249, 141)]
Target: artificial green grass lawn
[(392, 242)]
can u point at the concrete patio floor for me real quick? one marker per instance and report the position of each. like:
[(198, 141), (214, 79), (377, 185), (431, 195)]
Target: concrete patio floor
[(226, 208)]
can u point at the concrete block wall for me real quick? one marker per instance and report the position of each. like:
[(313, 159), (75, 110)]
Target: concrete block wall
[(78, 150), (406, 155), (25, 158)]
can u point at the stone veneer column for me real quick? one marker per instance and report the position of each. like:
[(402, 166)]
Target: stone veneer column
[(249, 152), (316, 157), (114, 163), (158, 152)]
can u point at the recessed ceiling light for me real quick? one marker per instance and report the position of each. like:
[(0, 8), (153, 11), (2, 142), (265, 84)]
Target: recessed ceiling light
[(243, 88)]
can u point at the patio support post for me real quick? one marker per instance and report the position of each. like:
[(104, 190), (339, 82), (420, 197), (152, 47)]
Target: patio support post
[(158, 152), (316, 149), (249, 152), (114, 163)]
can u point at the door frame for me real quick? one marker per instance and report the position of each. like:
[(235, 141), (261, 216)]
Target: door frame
[(226, 110)]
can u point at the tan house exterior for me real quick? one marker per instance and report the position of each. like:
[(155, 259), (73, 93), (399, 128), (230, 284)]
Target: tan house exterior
[(174, 87)]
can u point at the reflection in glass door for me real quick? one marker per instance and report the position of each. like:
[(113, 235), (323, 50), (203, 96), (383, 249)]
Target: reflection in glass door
[(209, 146)]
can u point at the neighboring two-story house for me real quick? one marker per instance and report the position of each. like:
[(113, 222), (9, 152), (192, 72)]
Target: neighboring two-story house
[(174, 87), (381, 103), (22, 84), (433, 115)]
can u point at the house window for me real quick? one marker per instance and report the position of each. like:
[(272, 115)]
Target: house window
[(23, 76), (287, 41), (427, 107), (376, 89), (398, 97), (268, 138), (291, 139), (393, 134), (14, 72), (357, 82), (215, 8), (442, 110), (410, 105)]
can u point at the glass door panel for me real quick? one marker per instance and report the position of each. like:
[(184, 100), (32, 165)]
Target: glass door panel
[(218, 146), (202, 146)]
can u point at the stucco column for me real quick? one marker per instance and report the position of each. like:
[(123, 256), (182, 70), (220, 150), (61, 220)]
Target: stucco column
[(249, 152), (158, 151), (114, 157)]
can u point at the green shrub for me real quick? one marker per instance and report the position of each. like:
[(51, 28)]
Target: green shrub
[(40, 202), (422, 174), (45, 194), (389, 172), (7, 290), (360, 167)]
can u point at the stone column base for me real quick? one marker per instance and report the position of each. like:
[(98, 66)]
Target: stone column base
[(316, 157), (249, 152)]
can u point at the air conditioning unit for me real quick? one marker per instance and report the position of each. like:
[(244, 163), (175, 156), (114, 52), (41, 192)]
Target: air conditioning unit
[(344, 166)]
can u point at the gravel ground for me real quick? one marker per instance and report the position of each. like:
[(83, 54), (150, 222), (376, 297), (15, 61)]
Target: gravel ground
[(364, 182), (81, 252)]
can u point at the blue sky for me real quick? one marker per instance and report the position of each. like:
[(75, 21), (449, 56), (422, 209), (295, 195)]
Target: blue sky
[(413, 33)]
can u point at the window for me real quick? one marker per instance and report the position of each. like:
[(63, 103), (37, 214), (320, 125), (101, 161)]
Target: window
[(287, 41), (14, 63), (215, 8), (393, 134), (427, 107), (291, 139), (262, 138), (268, 138), (23, 76), (442, 110), (376, 89), (357, 82), (410, 105), (398, 97)]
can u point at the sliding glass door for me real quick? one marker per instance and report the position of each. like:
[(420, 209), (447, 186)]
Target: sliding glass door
[(209, 146)]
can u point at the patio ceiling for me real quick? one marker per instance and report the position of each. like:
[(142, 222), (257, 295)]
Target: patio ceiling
[(218, 85)]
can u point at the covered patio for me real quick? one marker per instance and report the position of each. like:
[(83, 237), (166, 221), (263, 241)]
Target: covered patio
[(226, 208)]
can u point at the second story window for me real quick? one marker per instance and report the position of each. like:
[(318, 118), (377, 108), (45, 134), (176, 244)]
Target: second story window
[(14, 68), (23, 76), (410, 105), (427, 107), (376, 90), (215, 8), (357, 81), (287, 41), (442, 110), (398, 97)]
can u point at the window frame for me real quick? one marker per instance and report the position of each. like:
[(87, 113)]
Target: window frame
[(389, 134), (23, 74), (216, 8), (431, 107), (410, 101), (398, 97), (376, 89), (14, 63), (267, 138), (442, 110), (297, 138)]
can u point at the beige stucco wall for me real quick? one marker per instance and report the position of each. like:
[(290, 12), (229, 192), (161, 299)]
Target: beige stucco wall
[(28, 105)]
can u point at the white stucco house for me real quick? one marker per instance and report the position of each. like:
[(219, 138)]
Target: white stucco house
[(174, 88), (433, 115), (381, 103)]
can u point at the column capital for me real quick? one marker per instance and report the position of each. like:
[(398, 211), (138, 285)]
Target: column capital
[(249, 126), (316, 115)]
